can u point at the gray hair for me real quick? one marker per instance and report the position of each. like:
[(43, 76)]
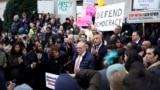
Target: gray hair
[(16, 17), (82, 43)]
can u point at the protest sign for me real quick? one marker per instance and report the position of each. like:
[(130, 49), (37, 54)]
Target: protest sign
[(146, 4), (65, 7), (107, 17), (87, 3), (50, 80), (43, 7), (91, 11), (84, 20)]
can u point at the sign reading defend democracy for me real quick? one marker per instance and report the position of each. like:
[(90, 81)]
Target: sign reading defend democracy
[(107, 17)]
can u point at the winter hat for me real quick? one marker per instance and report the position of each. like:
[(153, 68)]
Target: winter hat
[(114, 67), (23, 87), (21, 30), (66, 82)]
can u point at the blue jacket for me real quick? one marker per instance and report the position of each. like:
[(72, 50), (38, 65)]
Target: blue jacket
[(86, 63)]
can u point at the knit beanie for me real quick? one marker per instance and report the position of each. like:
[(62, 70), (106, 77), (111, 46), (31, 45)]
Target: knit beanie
[(114, 67), (66, 82)]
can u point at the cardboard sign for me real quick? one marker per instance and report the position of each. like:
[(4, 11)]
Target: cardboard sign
[(107, 17), (50, 80)]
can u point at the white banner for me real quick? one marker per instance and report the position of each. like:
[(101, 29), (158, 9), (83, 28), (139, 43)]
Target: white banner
[(87, 3), (143, 16), (46, 6), (50, 80), (107, 17), (65, 7), (146, 4)]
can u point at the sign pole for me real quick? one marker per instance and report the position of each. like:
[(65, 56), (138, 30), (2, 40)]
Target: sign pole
[(143, 35)]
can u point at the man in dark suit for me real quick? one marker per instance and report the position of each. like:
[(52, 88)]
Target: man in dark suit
[(99, 50), (119, 34), (84, 59), (136, 37)]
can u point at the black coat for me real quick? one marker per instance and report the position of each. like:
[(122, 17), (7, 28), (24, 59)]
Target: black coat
[(36, 76), (2, 83), (15, 26), (56, 66), (99, 59), (16, 69)]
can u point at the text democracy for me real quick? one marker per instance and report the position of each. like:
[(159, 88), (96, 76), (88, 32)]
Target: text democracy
[(108, 23)]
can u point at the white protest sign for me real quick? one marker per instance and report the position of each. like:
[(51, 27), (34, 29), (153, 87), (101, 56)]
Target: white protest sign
[(50, 80), (43, 7), (107, 17), (146, 4), (65, 7), (87, 3)]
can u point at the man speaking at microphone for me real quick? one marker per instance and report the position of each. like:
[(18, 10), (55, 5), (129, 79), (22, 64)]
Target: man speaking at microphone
[(83, 60)]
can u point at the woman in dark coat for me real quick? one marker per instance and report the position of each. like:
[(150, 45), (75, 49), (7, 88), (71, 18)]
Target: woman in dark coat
[(15, 63), (57, 62)]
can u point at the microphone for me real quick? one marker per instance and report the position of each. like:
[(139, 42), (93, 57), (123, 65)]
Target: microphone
[(67, 63)]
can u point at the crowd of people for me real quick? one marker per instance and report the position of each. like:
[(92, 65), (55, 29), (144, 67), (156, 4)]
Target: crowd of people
[(82, 56)]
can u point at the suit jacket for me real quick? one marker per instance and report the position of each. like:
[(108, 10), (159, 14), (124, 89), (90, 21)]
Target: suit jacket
[(36, 77), (99, 59), (122, 39), (139, 45), (86, 63)]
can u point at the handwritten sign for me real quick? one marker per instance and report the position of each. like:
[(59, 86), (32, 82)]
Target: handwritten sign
[(107, 17), (50, 80), (87, 3), (146, 4), (65, 7)]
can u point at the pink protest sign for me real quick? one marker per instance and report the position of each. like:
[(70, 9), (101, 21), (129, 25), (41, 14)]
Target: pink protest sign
[(91, 11), (84, 20)]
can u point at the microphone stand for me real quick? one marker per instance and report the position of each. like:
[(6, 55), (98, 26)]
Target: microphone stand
[(65, 65)]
